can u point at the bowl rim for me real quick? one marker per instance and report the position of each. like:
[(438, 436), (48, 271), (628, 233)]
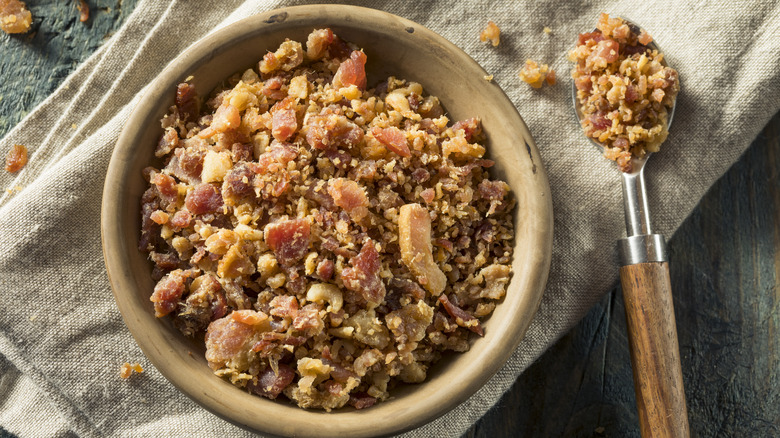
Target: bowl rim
[(115, 250)]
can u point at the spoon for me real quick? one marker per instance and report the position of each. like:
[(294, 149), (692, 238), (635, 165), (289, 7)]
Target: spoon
[(647, 292)]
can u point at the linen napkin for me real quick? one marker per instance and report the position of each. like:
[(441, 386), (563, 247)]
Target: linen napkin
[(62, 339)]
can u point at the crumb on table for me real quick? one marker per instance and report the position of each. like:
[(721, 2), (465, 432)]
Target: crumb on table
[(14, 17), (491, 33), (547, 30), (83, 8), (127, 369), (489, 78)]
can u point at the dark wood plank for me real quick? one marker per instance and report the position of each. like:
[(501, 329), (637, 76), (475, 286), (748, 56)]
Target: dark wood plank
[(34, 64), (725, 266)]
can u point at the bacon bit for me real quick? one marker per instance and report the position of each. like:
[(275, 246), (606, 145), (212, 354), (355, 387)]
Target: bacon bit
[(491, 33), (181, 219), (348, 195), (308, 318), (159, 217), (414, 234), (166, 186), (168, 142), (594, 36), (272, 88), (407, 287), (393, 138), (270, 384), (470, 127), (205, 198), (16, 158), (168, 291), (126, 370), (331, 129), (238, 183), (226, 118), (284, 306), (428, 195), (361, 400), (83, 8), (644, 38), (187, 102), (352, 71), (187, 164), (225, 338), (363, 277), (289, 240), (317, 43), (288, 56), (325, 269), (461, 317), (275, 158), (606, 52), (14, 17), (249, 317), (600, 121), (550, 79)]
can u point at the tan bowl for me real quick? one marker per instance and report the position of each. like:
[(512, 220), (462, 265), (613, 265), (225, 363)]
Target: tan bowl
[(394, 46)]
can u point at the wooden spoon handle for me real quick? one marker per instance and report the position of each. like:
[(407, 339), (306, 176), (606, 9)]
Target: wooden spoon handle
[(655, 353)]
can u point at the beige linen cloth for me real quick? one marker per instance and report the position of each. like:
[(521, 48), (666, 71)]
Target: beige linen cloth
[(62, 339)]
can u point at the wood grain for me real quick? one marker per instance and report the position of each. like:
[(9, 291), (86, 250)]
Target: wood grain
[(655, 354)]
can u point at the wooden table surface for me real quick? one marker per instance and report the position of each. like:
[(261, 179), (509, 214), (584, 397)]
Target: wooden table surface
[(725, 266)]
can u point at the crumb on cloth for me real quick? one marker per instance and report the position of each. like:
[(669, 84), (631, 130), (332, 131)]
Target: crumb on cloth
[(14, 17), (127, 369), (535, 74), (491, 33), (16, 158)]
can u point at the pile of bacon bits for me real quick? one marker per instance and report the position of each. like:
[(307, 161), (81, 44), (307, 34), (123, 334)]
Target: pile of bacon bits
[(330, 238), (624, 90)]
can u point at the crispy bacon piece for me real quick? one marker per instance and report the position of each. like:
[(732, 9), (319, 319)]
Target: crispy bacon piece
[(275, 158), (283, 120), (352, 71), (273, 88), (325, 269), (16, 158), (363, 277), (225, 338), (308, 317), (187, 102), (181, 219), (470, 127), (361, 400), (317, 43), (393, 138), (289, 240), (270, 384), (249, 317), (348, 195), (168, 291), (226, 118), (205, 198), (166, 186), (187, 164), (238, 183), (461, 317), (331, 129), (414, 234), (284, 306), (595, 36), (606, 52), (168, 142)]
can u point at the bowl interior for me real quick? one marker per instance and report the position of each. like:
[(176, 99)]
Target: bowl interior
[(394, 46)]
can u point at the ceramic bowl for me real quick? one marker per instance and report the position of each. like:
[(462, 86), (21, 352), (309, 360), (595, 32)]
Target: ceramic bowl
[(394, 46)]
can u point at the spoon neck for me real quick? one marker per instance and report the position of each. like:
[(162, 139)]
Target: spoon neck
[(637, 212)]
